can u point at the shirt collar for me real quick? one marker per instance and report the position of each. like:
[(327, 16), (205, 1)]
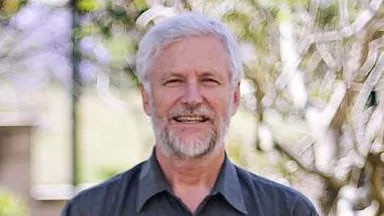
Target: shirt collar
[(228, 185), (152, 182)]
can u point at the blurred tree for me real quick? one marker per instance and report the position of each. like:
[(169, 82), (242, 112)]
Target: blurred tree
[(102, 38), (316, 68), (77, 44)]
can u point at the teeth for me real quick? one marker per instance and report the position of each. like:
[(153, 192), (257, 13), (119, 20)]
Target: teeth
[(190, 119)]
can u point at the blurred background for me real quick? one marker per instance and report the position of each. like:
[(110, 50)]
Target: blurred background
[(312, 112)]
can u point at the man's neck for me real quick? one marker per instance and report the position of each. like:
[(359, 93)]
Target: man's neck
[(191, 179)]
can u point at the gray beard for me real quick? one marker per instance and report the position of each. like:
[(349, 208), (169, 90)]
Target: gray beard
[(188, 149), (172, 145)]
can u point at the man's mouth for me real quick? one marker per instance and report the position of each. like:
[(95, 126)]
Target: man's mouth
[(190, 119)]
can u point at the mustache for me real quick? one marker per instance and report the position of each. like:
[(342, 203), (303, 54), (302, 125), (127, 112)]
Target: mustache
[(196, 111)]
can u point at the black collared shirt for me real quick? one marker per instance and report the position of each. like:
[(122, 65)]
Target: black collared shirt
[(144, 191)]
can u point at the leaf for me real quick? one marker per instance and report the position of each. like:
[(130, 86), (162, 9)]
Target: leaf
[(87, 5), (10, 7), (140, 5)]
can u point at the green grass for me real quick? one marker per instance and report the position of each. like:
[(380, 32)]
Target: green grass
[(10, 205), (112, 137)]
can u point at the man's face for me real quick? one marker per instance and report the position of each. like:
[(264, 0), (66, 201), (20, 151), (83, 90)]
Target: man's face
[(191, 97)]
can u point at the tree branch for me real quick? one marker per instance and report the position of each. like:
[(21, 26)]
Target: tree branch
[(361, 21), (311, 169), (377, 179)]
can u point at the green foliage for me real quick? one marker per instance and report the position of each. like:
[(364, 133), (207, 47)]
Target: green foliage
[(140, 5), (86, 30), (87, 5), (10, 7), (283, 16), (239, 21), (119, 47), (296, 2), (118, 13), (11, 205), (327, 15)]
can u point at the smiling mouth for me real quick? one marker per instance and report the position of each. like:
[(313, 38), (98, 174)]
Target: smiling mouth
[(190, 119)]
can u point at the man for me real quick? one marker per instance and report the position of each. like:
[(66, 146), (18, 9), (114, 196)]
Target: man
[(190, 70)]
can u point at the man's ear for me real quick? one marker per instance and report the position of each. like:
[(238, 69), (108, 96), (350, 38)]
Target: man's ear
[(145, 95), (235, 97)]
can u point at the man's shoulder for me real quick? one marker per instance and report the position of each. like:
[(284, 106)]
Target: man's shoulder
[(113, 183), (100, 195), (271, 192)]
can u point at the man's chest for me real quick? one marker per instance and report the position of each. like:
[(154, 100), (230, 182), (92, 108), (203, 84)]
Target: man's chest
[(168, 205)]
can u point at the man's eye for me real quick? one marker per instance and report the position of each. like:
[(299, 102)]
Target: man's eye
[(172, 82), (210, 81)]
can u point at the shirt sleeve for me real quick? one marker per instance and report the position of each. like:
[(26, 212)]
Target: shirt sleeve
[(304, 207), (66, 210)]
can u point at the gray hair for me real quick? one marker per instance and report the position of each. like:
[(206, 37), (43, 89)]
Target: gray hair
[(187, 24)]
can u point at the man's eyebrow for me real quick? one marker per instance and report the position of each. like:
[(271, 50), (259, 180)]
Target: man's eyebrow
[(208, 73), (170, 74), (211, 73)]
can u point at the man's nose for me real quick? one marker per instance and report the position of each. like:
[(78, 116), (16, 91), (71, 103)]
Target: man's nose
[(192, 95)]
